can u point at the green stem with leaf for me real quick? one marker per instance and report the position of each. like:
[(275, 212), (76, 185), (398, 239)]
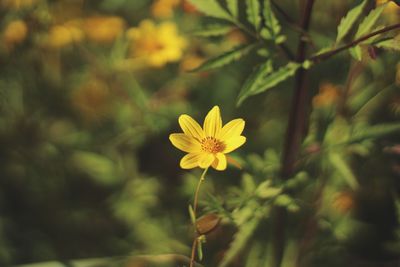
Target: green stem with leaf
[(193, 216)]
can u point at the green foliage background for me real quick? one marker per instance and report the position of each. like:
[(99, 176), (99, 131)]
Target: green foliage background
[(94, 175)]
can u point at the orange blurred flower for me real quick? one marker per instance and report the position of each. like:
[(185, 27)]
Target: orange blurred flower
[(343, 202), (15, 33), (190, 62), (164, 8), (103, 29), (188, 7), (328, 95), (156, 45)]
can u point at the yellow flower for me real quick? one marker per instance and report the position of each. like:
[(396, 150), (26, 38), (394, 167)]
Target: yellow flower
[(15, 33), (207, 146), (156, 45), (164, 8), (63, 35), (392, 10), (103, 29)]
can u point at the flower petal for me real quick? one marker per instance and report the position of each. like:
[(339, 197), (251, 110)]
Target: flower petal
[(185, 142), (190, 161), (219, 162), (206, 160), (232, 129), (233, 143), (191, 127), (213, 122)]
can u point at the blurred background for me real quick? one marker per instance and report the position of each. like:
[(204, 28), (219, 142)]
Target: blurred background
[(90, 91)]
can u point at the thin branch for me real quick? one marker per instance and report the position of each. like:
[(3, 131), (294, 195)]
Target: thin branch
[(319, 57), (294, 134)]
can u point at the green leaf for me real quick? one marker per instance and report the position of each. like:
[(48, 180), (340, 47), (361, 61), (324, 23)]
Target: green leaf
[(192, 215), (369, 21), (356, 52), (283, 200), (96, 166), (389, 44), (213, 30), (225, 58), (271, 27), (233, 7), (343, 169), (211, 8), (253, 13), (374, 103), (375, 131), (255, 80), (264, 79), (200, 249), (348, 21), (240, 240)]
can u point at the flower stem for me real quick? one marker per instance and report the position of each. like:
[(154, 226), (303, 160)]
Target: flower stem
[(195, 202)]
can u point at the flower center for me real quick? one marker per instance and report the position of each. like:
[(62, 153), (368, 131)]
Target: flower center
[(212, 145)]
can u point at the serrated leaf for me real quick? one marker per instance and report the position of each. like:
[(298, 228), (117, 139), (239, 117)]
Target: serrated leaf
[(389, 44), (192, 215), (233, 7), (271, 27), (370, 20), (340, 165), (225, 58), (255, 79), (211, 8), (240, 240), (253, 13), (212, 30), (264, 79), (348, 21)]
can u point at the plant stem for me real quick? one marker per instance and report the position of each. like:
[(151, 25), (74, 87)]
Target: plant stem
[(294, 134), (195, 202), (319, 57)]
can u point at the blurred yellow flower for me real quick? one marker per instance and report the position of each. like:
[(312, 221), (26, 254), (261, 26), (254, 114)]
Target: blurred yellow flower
[(327, 96), (164, 8), (391, 9), (17, 4), (92, 99), (63, 35), (15, 33), (103, 29), (156, 45), (207, 146)]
